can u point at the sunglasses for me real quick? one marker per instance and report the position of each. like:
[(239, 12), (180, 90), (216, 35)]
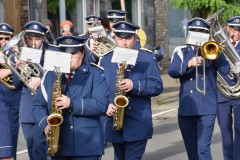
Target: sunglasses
[(6, 38)]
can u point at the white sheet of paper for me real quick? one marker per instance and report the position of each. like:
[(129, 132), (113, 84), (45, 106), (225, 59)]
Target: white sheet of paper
[(55, 59), (2, 60), (196, 37), (97, 32), (30, 54), (237, 67), (124, 54)]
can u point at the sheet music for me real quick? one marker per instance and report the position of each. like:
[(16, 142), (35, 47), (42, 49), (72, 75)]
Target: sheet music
[(196, 37), (237, 67), (57, 59), (124, 54), (31, 54), (97, 32), (2, 60)]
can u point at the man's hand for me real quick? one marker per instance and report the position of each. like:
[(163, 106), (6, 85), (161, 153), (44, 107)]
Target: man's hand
[(47, 130), (34, 83), (126, 85), (195, 61), (4, 73), (62, 102), (111, 110), (94, 45)]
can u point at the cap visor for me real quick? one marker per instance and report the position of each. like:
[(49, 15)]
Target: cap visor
[(115, 20), (70, 49), (236, 27), (124, 34)]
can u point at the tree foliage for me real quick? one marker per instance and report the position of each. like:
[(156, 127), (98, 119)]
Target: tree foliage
[(204, 8), (53, 5)]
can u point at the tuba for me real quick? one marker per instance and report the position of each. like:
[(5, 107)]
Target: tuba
[(120, 100), (229, 91), (55, 119), (105, 44)]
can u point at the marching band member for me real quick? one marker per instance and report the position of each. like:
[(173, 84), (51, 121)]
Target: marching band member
[(197, 112), (50, 39), (35, 139), (141, 82), (228, 109), (115, 16), (83, 104), (89, 56), (9, 102)]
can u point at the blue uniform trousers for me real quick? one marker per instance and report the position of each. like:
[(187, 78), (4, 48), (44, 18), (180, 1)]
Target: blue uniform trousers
[(77, 158), (130, 150), (14, 117), (36, 141), (5, 123), (229, 114), (197, 134)]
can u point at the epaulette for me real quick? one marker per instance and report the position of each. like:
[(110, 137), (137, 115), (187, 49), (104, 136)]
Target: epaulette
[(147, 50), (93, 64), (178, 50)]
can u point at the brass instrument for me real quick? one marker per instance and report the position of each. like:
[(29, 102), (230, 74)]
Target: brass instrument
[(120, 100), (25, 71), (210, 50), (7, 81), (55, 119), (105, 44), (232, 56)]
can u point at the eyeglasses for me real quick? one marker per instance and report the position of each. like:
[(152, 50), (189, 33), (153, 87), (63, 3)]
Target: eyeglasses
[(235, 30), (6, 38)]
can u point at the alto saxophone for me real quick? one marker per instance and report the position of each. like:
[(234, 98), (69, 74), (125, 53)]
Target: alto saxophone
[(55, 119), (120, 100)]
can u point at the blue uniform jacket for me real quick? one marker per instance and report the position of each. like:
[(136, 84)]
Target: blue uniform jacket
[(230, 82), (191, 101), (25, 113), (137, 124), (81, 132), (12, 97)]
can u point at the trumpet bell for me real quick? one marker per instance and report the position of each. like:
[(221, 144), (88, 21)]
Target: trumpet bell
[(211, 50)]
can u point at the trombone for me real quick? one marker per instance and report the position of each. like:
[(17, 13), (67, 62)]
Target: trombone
[(210, 50)]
